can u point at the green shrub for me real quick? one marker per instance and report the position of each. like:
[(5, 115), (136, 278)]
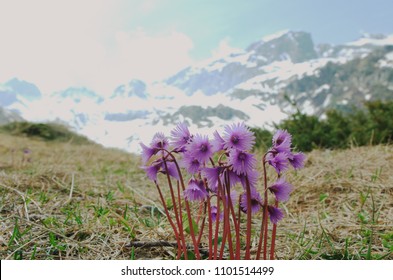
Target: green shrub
[(263, 138), (381, 121), (45, 131), (371, 125)]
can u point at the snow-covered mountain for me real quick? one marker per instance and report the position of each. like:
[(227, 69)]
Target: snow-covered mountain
[(254, 85), (16, 95), (7, 116)]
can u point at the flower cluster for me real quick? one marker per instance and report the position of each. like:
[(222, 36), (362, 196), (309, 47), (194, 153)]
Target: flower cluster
[(280, 156), (209, 172)]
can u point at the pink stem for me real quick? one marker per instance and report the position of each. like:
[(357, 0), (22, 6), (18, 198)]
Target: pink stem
[(273, 237), (217, 220), (210, 228), (169, 217), (178, 219), (192, 233), (248, 229), (262, 236)]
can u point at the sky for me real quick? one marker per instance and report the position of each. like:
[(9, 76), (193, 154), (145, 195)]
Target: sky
[(100, 44)]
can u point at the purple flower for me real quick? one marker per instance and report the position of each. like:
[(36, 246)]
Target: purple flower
[(212, 175), (195, 190), (281, 189), (275, 214), (278, 161), (159, 166), (180, 136), (190, 163), (160, 141), (200, 148), (217, 143), (151, 171), (252, 177), (233, 195), (282, 141), (233, 178), (213, 213), (255, 201), (147, 153), (171, 169), (242, 162), (238, 136), (297, 160)]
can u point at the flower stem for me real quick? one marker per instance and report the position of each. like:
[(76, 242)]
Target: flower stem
[(192, 233), (169, 217), (273, 242), (210, 233), (248, 229), (217, 219), (179, 218), (262, 235), (236, 223), (202, 224)]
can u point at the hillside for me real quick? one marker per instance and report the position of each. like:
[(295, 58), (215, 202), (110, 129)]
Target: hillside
[(7, 116), (68, 201), (339, 86), (251, 85)]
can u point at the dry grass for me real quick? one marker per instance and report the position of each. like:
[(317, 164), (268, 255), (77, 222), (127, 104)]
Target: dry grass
[(342, 207), (69, 201)]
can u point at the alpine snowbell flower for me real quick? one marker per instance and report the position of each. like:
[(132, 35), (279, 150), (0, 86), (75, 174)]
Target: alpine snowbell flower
[(218, 169), (282, 141), (147, 153), (195, 190), (159, 141), (252, 177), (190, 163), (297, 160), (200, 148), (256, 201), (170, 169), (218, 143), (275, 214), (212, 174), (238, 136), (213, 214), (152, 170), (281, 189), (180, 136), (242, 162), (278, 161)]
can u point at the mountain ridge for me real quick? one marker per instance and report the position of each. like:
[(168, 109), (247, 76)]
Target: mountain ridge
[(252, 85)]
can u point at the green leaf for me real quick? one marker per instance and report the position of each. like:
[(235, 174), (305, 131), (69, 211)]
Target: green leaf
[(186, 225), (323, 196)]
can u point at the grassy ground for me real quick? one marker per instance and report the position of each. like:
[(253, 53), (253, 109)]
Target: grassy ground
[(66, 201)]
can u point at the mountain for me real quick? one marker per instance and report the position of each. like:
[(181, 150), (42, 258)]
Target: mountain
[(16, 95), (258, 85), (78, 95), (335, 86), (7, 116), (24, 89), (223, 74), (77, 107), (133, 88)]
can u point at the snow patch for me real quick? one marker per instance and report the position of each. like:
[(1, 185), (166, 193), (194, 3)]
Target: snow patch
[(322, 88), (387, 62), (326, 103), (372, 41), (276, 35), (308, 107)]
